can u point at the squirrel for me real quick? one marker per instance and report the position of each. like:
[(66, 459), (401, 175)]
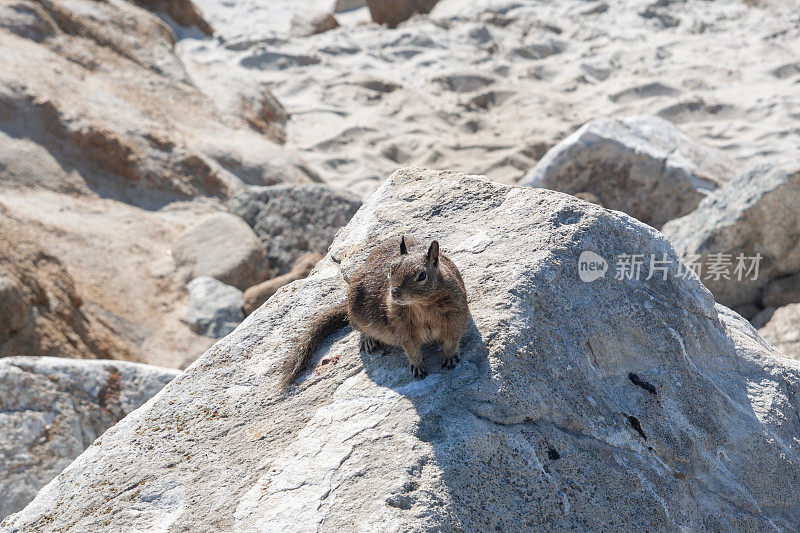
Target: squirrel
[(401, 296)]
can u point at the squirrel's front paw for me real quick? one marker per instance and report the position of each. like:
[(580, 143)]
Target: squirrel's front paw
[(451, 363), (418, 372), (368, 344)]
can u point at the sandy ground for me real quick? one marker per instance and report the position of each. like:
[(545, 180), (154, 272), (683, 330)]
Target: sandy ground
[(486, 86)]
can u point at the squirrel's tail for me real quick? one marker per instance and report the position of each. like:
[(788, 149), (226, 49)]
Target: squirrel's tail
[(322, 326)]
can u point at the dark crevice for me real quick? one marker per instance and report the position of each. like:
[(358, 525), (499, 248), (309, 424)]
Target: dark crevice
[(635, 424), (639, 382)]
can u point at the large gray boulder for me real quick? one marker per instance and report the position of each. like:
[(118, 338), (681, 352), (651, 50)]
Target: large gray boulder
[(294, 219), (640, 165), (224, 247), (756, 213), (52, 408), (214, 309), (627, 404)]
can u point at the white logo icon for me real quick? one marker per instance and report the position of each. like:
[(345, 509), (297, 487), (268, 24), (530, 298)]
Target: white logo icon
[(591, 266)]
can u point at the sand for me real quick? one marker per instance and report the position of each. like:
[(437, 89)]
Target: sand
[(487, 86)]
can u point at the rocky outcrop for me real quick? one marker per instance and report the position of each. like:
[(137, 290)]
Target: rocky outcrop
[(258, 294), (224, 247), (214, 309), (755, 215), (116, 107), (628, 404), (294, 219), (104, 132), (641, 165), (41, 312), (783, 330), (393, 12), (51, 409)]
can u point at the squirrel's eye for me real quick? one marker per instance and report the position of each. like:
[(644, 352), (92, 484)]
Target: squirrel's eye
[(421, 277)]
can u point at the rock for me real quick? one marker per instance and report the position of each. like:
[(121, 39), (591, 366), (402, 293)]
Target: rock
[(183, 12), (51, 409), (641, 165), (293, 219), (312, 24), (14, 307), (781, 291), (27, 20), (41, 311), (783, 330), (214, 309), (263, 111), (748, 311), (756, 213), (224, 247), (762, 317), (105, 133), (588, 197), (348, 5), (116, 110), (636, 404), (393, 12), (258, 294)]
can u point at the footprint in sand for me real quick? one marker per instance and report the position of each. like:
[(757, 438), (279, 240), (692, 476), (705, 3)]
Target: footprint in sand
[(488, 100), (463, 83), (697, 109), (639, 92), (786, 71), (265, 60)]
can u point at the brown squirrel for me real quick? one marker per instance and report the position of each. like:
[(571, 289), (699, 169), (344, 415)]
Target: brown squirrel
[(401, 296)]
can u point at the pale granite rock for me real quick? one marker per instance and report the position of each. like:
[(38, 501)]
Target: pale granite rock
[(783, 330), (624, 405), (641, 165), (754, 216), (224, 247), (214, 308), (52, 408)]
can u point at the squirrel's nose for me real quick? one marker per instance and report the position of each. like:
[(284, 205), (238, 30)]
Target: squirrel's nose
[(395, 292)]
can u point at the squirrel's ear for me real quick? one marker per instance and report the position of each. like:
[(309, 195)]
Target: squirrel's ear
[(433, 253), (403, 250)]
